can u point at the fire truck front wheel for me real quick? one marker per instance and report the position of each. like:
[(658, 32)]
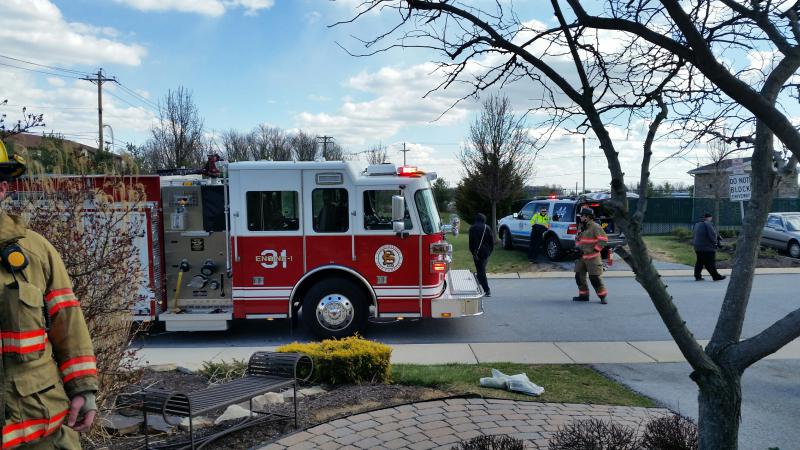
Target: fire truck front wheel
[(335, 308)]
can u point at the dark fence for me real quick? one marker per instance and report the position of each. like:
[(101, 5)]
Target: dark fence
[(665, 214)]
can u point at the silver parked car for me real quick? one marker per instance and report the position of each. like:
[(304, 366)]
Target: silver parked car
[(782, 232)]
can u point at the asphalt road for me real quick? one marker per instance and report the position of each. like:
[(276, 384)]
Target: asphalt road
[(527, 310), (770, 397)]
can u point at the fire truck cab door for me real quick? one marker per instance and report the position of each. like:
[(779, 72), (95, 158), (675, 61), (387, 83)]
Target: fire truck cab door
[(328, 204), (267, 239), (390, 263)]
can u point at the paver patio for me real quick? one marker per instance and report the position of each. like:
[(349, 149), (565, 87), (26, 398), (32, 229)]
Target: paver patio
[(440, 424)]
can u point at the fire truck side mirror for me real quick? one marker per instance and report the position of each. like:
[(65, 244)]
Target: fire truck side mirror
[(398, 213)]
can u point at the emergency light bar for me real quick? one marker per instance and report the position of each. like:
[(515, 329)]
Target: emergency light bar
[(409, 171)]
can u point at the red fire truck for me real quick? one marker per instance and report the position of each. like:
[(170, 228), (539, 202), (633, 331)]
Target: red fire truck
[(325, 241)]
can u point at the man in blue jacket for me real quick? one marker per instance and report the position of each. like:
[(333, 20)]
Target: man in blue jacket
[(705, 241)]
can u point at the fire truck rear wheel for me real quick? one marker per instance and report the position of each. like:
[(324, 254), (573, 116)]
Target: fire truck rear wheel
[(335, 308)]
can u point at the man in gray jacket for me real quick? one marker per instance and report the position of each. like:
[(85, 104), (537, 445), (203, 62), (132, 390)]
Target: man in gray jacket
[(705, 241)]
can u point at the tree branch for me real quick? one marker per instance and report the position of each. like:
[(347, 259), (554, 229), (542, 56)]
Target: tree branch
[(769, 341)]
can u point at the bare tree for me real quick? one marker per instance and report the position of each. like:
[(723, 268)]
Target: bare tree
[(499, 152), (271, 144), (304, 146), (670, 61), (177, 138), (333, 152), (378, 154), (237, 146), (28, 122)]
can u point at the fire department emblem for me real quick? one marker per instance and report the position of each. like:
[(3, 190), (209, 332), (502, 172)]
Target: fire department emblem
[(388, 258)]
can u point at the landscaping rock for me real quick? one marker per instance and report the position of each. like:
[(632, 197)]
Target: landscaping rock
[(197, 423), (157, 424), (263, 401), (163, 367), (185, 370), (232, 413), (289, 394), (120, 425), (313, 390)]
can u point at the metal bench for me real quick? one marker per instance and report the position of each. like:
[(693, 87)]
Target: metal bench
[(266, 372)]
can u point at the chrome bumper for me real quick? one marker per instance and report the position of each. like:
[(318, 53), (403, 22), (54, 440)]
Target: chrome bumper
[(462, 297)]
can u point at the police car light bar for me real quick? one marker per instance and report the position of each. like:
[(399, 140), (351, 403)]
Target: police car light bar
[(409, 171)]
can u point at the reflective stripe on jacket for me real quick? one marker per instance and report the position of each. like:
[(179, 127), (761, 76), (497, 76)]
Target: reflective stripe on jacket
[(591, 240), (42, 369)]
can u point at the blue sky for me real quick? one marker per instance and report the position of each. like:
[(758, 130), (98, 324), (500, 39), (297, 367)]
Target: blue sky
[(256, 61)]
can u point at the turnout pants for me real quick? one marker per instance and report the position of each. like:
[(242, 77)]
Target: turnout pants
[(594, 268), (63, 439)]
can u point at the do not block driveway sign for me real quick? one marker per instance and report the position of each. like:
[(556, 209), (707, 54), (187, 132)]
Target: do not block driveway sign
[(739, 188)]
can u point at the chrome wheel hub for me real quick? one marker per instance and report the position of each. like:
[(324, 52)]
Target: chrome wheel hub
[(335, 312)]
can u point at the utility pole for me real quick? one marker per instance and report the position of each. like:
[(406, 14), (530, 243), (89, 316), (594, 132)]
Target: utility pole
[(584, 164), (99, 82), (404, 153), (325, 140)]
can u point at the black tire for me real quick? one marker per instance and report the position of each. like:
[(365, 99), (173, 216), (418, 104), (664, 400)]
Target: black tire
[(794, 249), (343, 300), (553, 247), (508, 242)]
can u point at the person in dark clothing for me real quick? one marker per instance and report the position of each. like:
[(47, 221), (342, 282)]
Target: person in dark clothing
[(481, 245), (705, 241)]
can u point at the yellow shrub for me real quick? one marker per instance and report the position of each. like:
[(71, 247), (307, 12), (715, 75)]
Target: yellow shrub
[(349, 360)]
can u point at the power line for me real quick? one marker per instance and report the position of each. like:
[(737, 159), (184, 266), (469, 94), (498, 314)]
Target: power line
[(138, 96), (40, 71), (44, 66), (129, 103), (48, 107)]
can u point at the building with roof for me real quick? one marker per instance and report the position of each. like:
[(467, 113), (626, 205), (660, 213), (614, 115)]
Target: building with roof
[(711, 180)]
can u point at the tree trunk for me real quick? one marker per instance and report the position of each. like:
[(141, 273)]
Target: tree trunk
[(720, 401), (493, 225)]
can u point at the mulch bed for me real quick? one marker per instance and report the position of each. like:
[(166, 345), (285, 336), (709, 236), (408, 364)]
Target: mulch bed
[(335, 403), (776, 261)]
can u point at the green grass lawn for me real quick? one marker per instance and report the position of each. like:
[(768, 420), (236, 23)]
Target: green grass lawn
[(669, 248), (500, 261), (562, 383)]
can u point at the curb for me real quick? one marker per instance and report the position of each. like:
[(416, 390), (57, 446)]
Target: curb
[(631, 274)]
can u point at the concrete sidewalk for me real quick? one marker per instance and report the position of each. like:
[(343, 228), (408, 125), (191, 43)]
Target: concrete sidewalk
[(620, 352), (628, 273)]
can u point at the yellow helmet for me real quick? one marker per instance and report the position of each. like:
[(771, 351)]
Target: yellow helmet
[(10, 166)]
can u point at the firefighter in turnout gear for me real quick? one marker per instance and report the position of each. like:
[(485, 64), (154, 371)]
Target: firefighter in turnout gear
[(48, 371), (590, 241)]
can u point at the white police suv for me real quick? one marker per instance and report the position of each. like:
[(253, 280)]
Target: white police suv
[(559, 240)]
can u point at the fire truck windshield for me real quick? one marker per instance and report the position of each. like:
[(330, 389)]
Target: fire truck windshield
[(428, 214)]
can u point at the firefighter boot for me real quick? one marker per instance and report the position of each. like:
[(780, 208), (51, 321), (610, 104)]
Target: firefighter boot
[(583, 289), (603, 299)]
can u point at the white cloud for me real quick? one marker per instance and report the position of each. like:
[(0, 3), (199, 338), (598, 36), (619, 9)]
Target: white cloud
[(36, 29), (313, 17), (251, 7), (211, 8)]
